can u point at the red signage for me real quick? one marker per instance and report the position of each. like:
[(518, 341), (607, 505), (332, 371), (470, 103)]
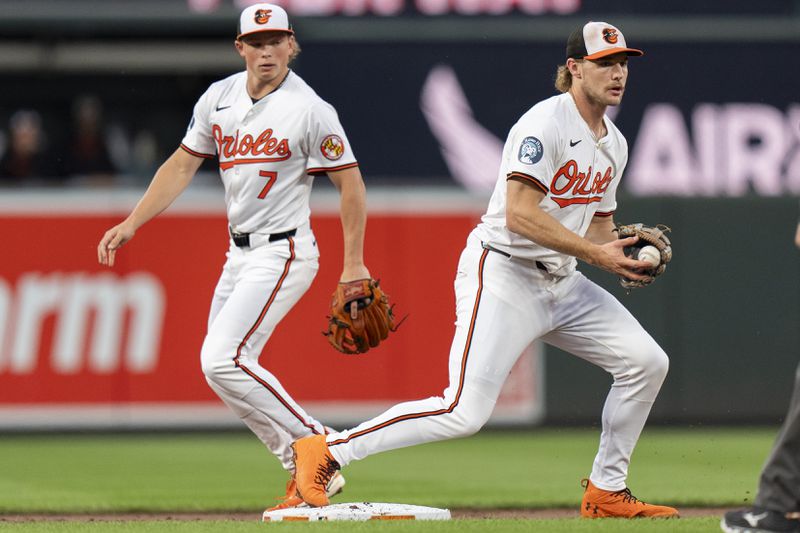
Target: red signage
[(73, 333)]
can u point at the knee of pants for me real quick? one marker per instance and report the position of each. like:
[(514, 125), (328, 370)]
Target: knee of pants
[(471, 413), (217, 358), (647, 371), (657, 365)]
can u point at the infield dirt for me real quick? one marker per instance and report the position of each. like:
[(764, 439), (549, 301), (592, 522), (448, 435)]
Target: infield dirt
[(459, 513)]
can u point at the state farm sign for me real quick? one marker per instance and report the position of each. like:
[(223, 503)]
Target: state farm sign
[(84, 345), (102, 322)]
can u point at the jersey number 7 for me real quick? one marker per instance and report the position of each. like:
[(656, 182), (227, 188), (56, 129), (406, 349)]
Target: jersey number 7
[(271, 176)]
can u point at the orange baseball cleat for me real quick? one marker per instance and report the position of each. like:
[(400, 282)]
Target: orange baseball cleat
[(291, 499), (599, 503), (314, 469)]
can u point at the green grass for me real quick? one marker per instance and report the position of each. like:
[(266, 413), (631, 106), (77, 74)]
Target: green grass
[(232, 472), (699, 525)]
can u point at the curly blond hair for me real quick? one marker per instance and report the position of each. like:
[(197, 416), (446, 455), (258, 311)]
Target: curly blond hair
[(563, 81)]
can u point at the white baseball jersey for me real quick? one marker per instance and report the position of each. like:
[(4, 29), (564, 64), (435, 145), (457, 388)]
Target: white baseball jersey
[(552, 148), (268, 151)]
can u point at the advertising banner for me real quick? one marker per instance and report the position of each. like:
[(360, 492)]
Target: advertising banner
[(84, 345)]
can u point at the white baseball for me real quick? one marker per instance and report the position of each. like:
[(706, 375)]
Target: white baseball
[(650, 254)]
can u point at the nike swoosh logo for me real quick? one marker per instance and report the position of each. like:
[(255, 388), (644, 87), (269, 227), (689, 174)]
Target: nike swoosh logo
[(573, 143), (754, 519), (221, 108)]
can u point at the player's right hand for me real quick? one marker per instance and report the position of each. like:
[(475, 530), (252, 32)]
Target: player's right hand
[(112, 240), (611, 257)]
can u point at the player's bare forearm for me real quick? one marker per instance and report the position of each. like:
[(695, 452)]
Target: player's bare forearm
[(169, 181), (353, 213), (601, 230), (525, 217)]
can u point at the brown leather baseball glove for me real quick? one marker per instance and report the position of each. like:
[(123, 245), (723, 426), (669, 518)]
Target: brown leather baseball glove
[(648, 235), (361, 316)]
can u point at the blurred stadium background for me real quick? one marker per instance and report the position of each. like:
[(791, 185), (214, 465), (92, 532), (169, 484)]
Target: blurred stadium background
[(96, 93)]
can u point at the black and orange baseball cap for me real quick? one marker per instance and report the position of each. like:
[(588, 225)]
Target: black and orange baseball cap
[(598, 39), (263, 17)]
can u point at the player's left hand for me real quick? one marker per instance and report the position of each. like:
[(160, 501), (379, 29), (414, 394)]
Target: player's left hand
[(361, 317)]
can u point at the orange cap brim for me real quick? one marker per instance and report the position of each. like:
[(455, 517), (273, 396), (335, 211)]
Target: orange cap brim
[(612, 51)]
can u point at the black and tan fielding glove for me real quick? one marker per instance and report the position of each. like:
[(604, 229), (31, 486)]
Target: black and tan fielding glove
[(648, 236)]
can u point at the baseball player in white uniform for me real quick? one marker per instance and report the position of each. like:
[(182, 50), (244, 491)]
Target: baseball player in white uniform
[(517, 282), (271, 134)]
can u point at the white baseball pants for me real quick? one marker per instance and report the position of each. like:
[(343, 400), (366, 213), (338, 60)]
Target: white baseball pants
[(258, 286), (502, 306)]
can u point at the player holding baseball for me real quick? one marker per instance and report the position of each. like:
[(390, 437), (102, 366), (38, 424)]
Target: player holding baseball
[(271, 134), (516, 282)]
